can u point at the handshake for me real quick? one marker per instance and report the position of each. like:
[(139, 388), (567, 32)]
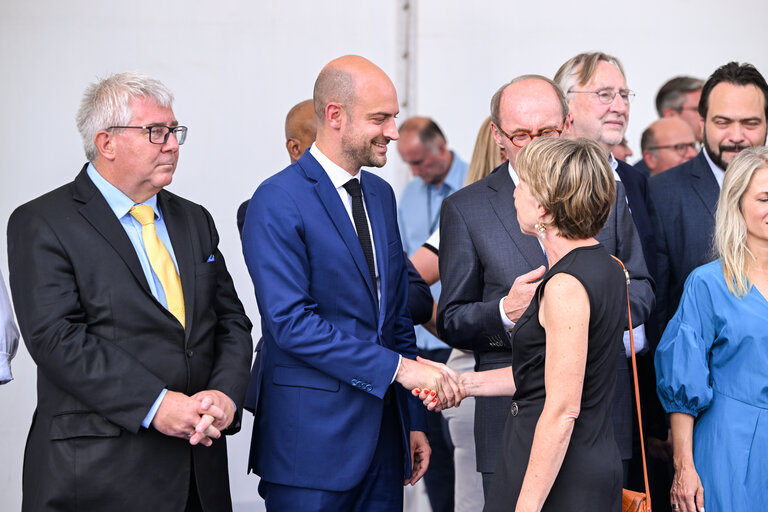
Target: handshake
[(438, 386)]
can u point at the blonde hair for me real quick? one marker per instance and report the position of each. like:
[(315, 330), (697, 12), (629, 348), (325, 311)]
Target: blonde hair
[(486, 156), (730, 226), (572, 179)]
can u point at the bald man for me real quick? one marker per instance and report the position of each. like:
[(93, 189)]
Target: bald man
[(335, 426), (300, 133), (667, 143)]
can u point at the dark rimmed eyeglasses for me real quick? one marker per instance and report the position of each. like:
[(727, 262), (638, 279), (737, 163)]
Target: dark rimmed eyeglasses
[(521, 138), (681, 149), (158, 134), (606, 96)]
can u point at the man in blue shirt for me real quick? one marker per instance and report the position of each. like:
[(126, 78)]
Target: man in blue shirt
[(439, 172), (125, 304)]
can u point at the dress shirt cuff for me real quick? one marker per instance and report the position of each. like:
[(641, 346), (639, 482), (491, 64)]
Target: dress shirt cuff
[(151, 414), (5, 368), (505, 321), (397, 369), (640, 342)]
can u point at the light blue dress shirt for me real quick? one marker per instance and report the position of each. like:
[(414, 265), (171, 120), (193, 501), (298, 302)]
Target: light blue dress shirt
[(121, 206), (9, 335), (418, 216)]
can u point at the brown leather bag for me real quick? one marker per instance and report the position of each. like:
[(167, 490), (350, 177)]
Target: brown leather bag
[(632, 501)]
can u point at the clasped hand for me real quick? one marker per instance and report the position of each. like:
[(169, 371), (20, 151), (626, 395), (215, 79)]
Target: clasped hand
[(200, 418), (434, 383)]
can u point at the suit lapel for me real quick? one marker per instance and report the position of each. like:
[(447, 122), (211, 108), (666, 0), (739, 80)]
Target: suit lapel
[(178, 231), (704, 182), (97, 212), (503, 203), (329, 197)]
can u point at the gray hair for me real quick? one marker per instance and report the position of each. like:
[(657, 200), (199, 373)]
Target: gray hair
[(580, 69), (672, 93), (107, 102)]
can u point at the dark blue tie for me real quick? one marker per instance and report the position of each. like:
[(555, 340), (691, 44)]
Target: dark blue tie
[(361, 223)]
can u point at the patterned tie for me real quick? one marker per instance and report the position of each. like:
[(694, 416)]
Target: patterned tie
[(354, 189), (161, 261)]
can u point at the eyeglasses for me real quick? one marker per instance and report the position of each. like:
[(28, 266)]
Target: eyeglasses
[(521, 138), (681, 149), (606, 96), (158, 134)]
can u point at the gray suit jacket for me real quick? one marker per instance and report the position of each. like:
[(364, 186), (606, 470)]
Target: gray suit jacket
[(482, 252), (684, 200)]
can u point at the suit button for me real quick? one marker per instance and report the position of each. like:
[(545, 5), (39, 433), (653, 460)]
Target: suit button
[(354, 382), (368, 387), (514, 409), (190, 353)]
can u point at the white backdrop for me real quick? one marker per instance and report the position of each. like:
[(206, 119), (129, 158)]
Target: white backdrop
[(236, 67)]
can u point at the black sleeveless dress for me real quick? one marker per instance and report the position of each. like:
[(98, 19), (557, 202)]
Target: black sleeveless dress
[(591, 475)]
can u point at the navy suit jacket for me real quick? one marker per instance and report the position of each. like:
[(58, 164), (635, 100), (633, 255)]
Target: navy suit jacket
[(330, 349), (482, 252), (684, 201)]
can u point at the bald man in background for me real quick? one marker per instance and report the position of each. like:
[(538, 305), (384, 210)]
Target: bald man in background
[(300, 133), (666, 143)]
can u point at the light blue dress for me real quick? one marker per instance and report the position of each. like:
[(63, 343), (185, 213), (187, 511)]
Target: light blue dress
[(712, 363)]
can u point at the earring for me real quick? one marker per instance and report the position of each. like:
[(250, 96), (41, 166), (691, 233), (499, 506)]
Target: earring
[(541, 228)]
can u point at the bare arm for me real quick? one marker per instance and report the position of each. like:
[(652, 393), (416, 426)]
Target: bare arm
[(426, 262), (686, 486), (564, 314)]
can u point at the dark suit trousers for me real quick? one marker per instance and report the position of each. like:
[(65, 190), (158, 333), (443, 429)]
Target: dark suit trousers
[(381, 490), (439, 478)]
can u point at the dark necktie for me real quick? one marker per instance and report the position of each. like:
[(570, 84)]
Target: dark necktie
[(361, 223)]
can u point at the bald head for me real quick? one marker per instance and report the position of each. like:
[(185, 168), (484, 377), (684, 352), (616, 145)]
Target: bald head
[(530, 103), (300, 129), (423, 147), (666, 143), (355, 103)]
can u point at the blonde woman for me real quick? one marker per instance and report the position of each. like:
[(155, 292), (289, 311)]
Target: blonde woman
[(558, 451), (712, 361)]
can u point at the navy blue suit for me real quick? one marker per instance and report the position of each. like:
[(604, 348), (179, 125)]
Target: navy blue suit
[(684, 201), (330, 348)]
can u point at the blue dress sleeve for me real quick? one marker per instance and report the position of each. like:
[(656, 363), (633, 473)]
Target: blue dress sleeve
[(682, 357)]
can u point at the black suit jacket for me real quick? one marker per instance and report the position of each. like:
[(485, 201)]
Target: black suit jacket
[(482, 252), (684, 201), (105, 348)]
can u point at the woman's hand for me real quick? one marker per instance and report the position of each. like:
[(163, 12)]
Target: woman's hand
[(687, 492)]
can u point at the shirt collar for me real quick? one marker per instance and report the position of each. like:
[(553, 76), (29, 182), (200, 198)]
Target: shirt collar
[(455, 178), (120, 203), (614, 165), (717, 171), (337, 175), (513, 174)]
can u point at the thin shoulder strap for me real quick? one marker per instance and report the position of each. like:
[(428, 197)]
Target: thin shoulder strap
[(637, 392)]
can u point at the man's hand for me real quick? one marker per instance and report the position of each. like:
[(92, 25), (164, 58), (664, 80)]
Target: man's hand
[(433, 376), (218, 405), (180, 415), (420, 453), (521, 293)]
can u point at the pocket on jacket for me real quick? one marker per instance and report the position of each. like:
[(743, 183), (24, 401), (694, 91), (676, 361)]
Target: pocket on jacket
[(81, 424), (304, 377)]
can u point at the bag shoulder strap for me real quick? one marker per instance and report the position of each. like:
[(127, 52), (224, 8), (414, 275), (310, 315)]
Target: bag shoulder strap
[(637, 391)]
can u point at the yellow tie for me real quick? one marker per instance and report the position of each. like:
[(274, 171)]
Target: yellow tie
[(161, 261)]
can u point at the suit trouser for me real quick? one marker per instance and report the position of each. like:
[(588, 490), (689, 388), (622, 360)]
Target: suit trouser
[(381, 489)]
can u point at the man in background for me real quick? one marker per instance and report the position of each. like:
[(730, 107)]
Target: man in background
[(300, 133), (438, 172), (9, 335), (666, 143)]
